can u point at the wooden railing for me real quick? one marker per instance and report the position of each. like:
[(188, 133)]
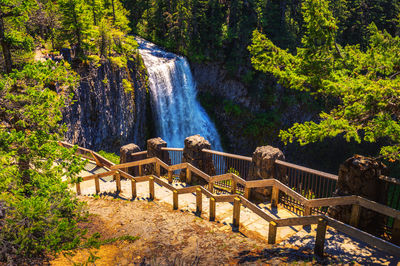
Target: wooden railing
[(274, 223)]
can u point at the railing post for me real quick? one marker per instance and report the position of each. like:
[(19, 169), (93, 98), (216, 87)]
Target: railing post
[(133, 186), (158, 171), (118, 181), (307, 210), (320, 238), (169, 176), (211, 187), (272, 232), (275, 197), (234, 186), (151, 187), (78, 188), (199, 201), (247, 192), (97, 184), (355, 215), (140, 170), (396, 232), (236, 214), (175, 199), (188, 176), (212, 208)]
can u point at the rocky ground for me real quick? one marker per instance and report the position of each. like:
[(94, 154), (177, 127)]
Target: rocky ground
[(169, 237)]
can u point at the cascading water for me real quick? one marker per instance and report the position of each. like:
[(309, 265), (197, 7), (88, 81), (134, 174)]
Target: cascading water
[(173, 94)]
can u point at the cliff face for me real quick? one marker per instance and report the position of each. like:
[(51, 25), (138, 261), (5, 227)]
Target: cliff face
[(109, 112)]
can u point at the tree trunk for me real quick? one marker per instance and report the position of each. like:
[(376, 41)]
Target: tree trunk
[(5, 48)]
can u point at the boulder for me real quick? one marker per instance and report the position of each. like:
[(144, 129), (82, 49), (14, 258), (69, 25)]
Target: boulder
[(154, 146), (359, 176)]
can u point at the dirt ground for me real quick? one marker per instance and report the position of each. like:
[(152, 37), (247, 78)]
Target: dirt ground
[(168, 237)]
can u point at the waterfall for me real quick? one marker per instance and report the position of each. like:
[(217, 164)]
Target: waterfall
[(173, 98)]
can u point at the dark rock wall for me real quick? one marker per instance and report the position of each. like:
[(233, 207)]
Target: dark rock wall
[(106, 115)]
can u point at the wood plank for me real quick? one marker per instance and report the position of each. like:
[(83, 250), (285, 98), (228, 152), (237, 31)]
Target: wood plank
[(187, 190), (199, 201), (199, 173), (295, 221), (396, 232), (307, 170), (230, 155), (369, 204), (272, 232), (98, 163), (212, 209), (233, 187), (206, 193), (164, 184), (118, 181), (188, 175), (290, 192), (177, 166), (136, 163), (247, 192), (175, 205), (151, 188), (126, 175), (90, 177), (275, 196), (355, 215), (238, 179), (365, 237), (260, 183), (236, 214), (97, 185), (320, 237), (257, 210), (142, 178), (133, 188), (78, 188), (225, 198), (223, 177), (334, 201), (162, 164), (103, 160)]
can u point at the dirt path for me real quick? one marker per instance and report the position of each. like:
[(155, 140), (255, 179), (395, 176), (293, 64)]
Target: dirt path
[(176, 237)]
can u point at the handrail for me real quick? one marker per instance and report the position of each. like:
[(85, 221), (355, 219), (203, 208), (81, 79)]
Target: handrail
[(348, 200), (171, 149), (305, 169), (390, 179), (235, 156), (139, 153)]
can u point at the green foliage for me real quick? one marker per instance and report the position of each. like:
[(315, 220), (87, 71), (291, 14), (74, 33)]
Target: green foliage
[(233, 171), (365, 84), (40, 212), (109, 156)]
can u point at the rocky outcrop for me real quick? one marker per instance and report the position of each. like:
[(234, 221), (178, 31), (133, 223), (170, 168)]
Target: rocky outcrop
[(359, 176), (110, 107), (193, 154), (126, 155), (263, 167)]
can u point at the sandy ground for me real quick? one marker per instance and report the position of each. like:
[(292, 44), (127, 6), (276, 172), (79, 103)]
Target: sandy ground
[(180, 238)]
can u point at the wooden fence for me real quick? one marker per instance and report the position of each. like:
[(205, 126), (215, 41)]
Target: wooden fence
[(322, 221)]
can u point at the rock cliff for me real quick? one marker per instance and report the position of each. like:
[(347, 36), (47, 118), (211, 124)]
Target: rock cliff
[(110, 108)]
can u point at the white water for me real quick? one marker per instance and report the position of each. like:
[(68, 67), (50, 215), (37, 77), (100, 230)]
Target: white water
[(173, 98)]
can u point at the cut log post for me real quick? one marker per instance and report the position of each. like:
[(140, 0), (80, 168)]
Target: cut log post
[(140, 170), (236, 214), (234, 187), (133, 186), (211, 187), (355, 215), (118, 181), (199, 201), (212, 208), (188, 176), (78, 188), (247, 193), (396, 232), (272, 232), (170, 177), (320, 238), (97, 184), (275, 197), (175, 199), (151, 188)]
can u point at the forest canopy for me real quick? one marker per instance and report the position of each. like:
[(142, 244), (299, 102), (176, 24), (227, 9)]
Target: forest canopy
[(363, 83)]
